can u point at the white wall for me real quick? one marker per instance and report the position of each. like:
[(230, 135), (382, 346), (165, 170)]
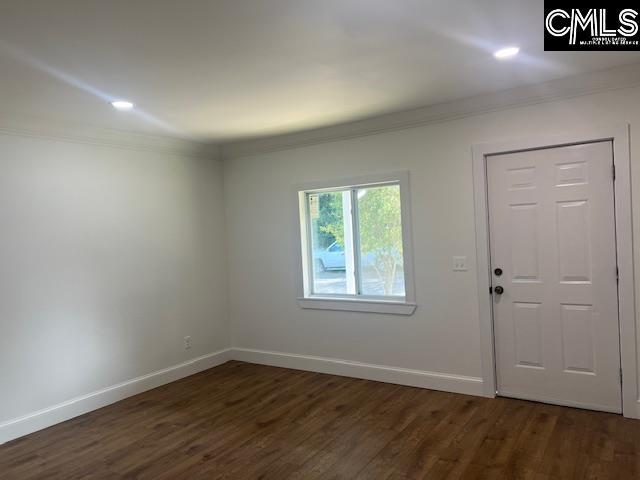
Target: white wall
[(443, 334), (108, 258)]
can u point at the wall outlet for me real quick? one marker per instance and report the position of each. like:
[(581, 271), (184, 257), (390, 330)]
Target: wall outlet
[(187, 343), (459, 264)]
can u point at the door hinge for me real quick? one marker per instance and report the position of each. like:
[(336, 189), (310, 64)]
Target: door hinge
[(621, 375), (490, 290), (613, 170), (617, 275)]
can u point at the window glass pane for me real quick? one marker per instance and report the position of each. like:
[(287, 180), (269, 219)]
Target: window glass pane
[(326, 213), (380, 229)]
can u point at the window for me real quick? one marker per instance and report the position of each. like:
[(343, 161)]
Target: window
[(355, 245)]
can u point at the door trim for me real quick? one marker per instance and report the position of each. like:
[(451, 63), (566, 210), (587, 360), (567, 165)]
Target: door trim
[(619, 136)]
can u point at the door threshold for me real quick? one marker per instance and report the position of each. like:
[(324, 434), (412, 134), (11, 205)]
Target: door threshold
[(561, 403)]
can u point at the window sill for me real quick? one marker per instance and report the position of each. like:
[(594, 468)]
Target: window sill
[(357, 305)]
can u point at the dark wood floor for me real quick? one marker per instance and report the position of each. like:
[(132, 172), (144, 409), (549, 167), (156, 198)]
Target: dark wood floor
[(249, 421)]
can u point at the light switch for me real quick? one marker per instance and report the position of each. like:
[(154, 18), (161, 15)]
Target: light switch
[(459, 264)]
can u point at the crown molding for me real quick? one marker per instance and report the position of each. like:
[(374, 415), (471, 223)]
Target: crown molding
[(34, 127), (568, 87)]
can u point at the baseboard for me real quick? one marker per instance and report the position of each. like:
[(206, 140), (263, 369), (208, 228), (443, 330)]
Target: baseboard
[(47, 417), (381, 373)]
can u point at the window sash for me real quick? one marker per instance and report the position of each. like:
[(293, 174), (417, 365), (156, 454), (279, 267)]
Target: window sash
[(352, 232)]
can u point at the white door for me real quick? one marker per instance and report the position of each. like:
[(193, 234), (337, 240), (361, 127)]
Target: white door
[(552, 233)]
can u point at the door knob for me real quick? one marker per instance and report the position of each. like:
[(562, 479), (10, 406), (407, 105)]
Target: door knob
[(499, 290)]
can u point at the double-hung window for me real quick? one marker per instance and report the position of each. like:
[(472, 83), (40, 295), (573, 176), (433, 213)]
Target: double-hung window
[(355, 245)]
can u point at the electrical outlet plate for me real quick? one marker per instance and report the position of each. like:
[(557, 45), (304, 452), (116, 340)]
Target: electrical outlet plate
[(187, 343)]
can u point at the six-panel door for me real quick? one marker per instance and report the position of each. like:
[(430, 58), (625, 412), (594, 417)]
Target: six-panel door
[(552, 232)]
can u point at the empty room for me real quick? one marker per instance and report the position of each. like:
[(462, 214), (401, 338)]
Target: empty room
[(319, 239)]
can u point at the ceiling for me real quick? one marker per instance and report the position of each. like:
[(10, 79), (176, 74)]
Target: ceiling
[(225, 70)]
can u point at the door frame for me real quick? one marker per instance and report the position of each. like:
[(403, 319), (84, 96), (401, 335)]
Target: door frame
[(619, 136)]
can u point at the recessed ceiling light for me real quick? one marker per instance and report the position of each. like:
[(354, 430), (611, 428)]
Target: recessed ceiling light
[(505, 53), (122, 105)]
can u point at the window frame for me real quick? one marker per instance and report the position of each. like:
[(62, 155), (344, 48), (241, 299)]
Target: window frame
[(348, 302)]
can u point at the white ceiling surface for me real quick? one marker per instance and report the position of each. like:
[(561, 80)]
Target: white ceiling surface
[(225, 70)]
